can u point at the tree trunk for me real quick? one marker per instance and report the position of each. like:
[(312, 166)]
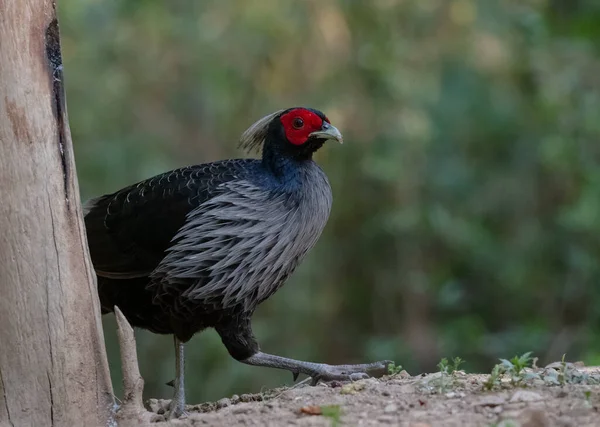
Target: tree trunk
[(53, 367)]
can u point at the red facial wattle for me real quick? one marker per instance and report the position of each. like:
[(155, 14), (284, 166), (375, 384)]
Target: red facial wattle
[(299, 123)]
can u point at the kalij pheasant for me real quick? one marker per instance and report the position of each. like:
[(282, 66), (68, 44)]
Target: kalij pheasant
[(203, 245)]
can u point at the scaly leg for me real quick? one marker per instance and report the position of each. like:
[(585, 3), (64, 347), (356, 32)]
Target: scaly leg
[(178, 403), (319, 371), (240, 342)]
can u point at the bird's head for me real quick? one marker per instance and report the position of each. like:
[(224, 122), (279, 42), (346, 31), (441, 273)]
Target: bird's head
[(296, 132)]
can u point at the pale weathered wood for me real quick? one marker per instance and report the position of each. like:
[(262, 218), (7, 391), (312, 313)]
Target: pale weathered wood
[(132, 411), (53, 368), (133, 383)]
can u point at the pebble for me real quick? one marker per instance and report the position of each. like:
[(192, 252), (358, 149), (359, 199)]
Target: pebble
[(205, 407), (242, 409), (404, 375), (222, 403), (490, 401), (386, 419), (454, 394), (525, 396), (390, 408), (152, 404), (159, 406)]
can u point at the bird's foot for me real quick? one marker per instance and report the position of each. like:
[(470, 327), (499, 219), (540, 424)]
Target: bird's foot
[(326, 373), (175, 415), (176, 410)]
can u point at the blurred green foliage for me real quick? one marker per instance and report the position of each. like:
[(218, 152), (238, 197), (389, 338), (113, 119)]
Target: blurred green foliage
[(466, 217)]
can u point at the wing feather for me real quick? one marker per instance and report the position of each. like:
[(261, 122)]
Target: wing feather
[(130, 230)]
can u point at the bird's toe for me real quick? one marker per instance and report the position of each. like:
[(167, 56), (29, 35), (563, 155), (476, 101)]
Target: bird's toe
[(358, 376)]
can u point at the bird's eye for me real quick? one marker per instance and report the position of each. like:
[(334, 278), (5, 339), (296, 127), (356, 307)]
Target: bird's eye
[(298, 123)]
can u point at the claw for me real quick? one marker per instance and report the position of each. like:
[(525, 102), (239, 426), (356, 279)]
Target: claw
[(171, 383), (295, 375), (383, 370), (315, 380), (174, 414)]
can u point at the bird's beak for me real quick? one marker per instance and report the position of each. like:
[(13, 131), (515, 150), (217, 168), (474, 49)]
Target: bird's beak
[(328, 132)]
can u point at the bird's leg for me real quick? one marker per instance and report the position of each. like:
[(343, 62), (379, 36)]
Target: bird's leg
[(319, 371), (240, 342), (177, 407)]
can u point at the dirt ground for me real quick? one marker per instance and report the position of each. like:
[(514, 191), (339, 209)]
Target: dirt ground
[(558, 395)]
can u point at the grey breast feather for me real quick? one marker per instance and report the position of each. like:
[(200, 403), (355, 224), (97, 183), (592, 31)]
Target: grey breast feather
[(240, 246)]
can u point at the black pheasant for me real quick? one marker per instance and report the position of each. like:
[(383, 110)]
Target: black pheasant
[(203, 245)]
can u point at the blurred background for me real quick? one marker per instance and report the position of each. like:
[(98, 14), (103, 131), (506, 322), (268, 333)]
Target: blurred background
[(466, 216)]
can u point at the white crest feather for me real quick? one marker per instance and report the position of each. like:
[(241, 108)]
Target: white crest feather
[(254, 137)]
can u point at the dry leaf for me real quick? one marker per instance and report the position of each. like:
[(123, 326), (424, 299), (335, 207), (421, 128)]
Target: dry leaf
[(311, 410)]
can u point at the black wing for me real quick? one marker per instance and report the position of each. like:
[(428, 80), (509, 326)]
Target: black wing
[(129, 231)]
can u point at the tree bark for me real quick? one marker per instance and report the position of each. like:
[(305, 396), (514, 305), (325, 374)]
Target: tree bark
[(53, 367)]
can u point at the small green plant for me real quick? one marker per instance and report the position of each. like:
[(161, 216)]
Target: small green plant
[(443, 381), (447, 370), (562, 371), (494, 378), (450, 367), (333, 412), (394, 369), (588, 399), (515, 368), (456, 362)]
